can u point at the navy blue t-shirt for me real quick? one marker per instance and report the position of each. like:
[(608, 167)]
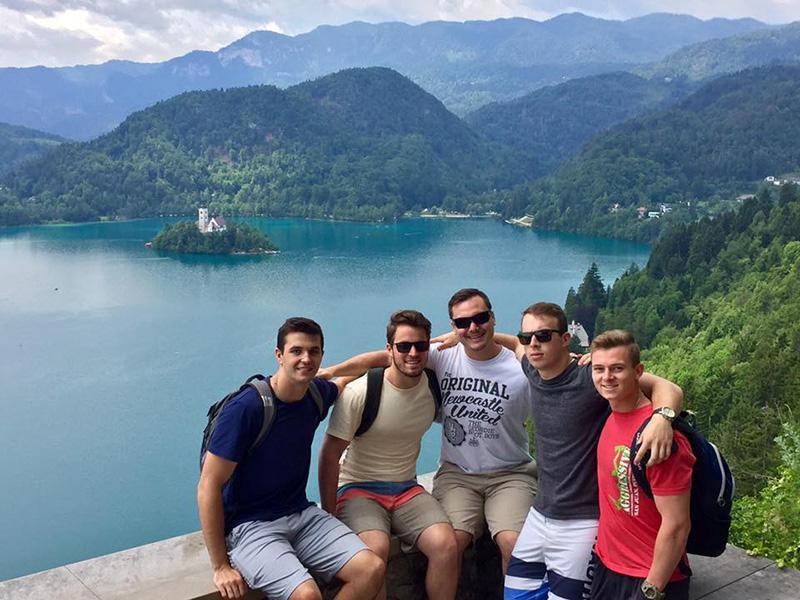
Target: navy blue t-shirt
[(271, 482)]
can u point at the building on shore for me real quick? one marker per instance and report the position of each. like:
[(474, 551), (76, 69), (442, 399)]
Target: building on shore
[(579, 333)]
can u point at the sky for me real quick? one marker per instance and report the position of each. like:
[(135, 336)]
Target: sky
[(69, 32)]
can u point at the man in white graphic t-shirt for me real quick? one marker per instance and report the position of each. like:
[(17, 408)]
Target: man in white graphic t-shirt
[(486, 475)]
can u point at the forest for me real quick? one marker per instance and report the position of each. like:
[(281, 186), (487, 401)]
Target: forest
[(368, 144), (237, 238), (717, 310)]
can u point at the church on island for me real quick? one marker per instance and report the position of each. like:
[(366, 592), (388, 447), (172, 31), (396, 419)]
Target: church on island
[(209, 226)]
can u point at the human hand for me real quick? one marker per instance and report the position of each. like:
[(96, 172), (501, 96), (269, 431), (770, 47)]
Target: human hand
[(583, 359), (656, 439), (229, 582), (447, 340), (324, 373)]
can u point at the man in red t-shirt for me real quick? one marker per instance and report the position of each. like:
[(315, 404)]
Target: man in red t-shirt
[(641, 541)]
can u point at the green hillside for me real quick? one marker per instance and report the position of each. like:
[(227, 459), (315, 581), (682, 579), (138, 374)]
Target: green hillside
[(718, 310), (549, 126), (714, 145), (18, 144), (717, 57), (359, 144)]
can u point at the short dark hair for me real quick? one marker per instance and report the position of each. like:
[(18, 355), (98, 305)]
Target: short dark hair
[(614, 338), (299, 325), (548, 309), (465, 294), (412, 318)]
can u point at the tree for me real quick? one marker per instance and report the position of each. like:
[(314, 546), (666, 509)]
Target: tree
[(584, 305)]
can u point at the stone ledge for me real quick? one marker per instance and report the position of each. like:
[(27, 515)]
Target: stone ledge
[(178, 569)]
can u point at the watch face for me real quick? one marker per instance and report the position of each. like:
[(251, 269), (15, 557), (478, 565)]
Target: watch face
[(667, 412), (649, 591)]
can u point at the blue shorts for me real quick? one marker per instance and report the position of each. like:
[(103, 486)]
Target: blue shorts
[(276, 556)]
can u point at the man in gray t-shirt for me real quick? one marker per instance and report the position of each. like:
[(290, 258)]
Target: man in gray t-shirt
[(552, 556)]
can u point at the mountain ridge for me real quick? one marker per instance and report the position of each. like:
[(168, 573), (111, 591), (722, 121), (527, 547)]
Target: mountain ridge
[(463, 64)]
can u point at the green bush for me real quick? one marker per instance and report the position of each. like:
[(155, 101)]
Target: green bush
[(768, 524)]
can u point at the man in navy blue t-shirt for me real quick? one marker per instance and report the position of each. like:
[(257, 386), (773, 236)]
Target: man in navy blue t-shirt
[(260, 528)]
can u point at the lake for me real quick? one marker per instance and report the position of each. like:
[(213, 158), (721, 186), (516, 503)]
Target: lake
[(110, 353)]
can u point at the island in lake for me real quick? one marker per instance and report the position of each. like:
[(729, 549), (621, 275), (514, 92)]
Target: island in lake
[(230, 238)]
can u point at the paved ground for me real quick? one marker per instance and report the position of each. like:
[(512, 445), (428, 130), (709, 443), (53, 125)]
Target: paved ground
[(736, 576)]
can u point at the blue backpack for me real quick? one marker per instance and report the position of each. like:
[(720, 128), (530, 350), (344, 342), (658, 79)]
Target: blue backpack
[(712, 489)]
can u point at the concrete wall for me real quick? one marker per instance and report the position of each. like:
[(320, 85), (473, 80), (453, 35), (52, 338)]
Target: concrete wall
[(178, 569)]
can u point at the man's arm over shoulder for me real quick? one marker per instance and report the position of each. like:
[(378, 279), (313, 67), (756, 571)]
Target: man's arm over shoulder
[(215, 474), (657, 436), (357, 365), (511, 342)]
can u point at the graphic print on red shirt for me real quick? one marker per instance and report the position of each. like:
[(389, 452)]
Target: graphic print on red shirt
[(629, 520)]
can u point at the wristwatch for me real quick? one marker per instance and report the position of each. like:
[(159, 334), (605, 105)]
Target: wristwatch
[(666, 412), (651, 592)]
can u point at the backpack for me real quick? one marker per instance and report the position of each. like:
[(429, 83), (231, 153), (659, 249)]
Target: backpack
[(713, 487), (261, 385), (372, 402)]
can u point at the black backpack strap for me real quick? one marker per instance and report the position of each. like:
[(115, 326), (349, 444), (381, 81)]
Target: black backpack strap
[(316, 394), (372, 401), (640, 471), (436, 392), (261, 385)]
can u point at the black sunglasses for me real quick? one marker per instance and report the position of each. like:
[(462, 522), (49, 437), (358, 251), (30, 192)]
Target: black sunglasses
[(405, 347), (479, 319), (542, 336)]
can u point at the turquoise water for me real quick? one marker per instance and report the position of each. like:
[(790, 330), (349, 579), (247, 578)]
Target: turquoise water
[(110, 353)]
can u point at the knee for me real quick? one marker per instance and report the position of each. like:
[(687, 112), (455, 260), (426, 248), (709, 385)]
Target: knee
[(308, 590), (441, 543), (371, 566), (380, 548), (506, 540)]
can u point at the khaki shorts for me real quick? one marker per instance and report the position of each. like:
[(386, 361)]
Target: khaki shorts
[(499, 498), (406, 522)]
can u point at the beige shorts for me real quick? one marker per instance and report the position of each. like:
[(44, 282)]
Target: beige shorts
[(406, 522), (501, 499)]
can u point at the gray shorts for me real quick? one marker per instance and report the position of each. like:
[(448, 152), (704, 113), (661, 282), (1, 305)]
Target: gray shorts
[(275, 556)]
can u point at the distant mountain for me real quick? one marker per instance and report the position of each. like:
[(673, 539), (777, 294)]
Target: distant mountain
[(718, 142), (362, 143), (722, 56), (548, 126), (466, 65), (18, 144)]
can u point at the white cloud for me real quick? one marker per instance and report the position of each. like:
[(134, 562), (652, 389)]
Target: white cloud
[(63, 32)]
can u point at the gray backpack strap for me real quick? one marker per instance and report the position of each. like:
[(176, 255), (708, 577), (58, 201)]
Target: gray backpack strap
[(317, 396), (262, 387)]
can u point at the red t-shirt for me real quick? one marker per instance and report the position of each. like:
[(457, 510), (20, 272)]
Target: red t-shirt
[(629, 520)]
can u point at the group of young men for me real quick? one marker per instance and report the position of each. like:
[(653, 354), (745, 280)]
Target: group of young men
[(559, 536)]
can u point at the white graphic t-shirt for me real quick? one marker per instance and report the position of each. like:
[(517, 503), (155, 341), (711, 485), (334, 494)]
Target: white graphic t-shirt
[(484, 407)]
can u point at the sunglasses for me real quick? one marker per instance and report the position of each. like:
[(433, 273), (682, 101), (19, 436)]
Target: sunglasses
[(405, 347), (542, 336), (479, 319)]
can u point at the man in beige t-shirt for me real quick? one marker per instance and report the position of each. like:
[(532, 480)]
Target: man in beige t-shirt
[(374, 490)]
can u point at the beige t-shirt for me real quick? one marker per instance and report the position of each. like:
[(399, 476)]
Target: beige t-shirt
[(389, 450)]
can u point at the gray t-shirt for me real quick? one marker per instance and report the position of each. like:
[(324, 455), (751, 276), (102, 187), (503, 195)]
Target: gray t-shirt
[(568, 415), (484, 407)]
